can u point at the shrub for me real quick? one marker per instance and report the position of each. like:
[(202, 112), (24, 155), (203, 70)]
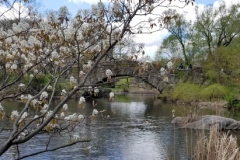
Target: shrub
[(187, 92), (123, 84), (214, 91), (40, 81)]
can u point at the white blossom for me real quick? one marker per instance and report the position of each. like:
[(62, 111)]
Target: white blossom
[(84, 66), (49, 88), (14, 114), (63, 49), (95, 112), (31, 76), (8, 65), (163, 71), (34, 102), (96, 90), (76, 137), (80, 117), (62, 114), (44, 109), (111, 95), (109, 72), (25, 114), (21, 85), (35, 71), (65, 107), (22, 135), (33, 41), (169, 64), (44, 95), (67, 118), (14, 66), (90, 89), (64, 92), (56, 63), (49, 113), (22, 97), (165, 79), (8, 40), (81, 73), (55, 54), (29, 96), (81, 100), (68, 33), (73, 80), (89, 64), (72, 117), (1, 107)]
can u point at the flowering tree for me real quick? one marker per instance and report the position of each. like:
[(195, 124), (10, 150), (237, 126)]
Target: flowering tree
[(40, 51)]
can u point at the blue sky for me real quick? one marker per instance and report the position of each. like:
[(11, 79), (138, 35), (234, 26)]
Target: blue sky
[(82, 4)]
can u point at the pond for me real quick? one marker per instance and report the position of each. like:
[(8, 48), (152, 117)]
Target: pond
[(133, 127)]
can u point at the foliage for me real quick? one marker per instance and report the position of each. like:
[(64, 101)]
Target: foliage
[(193, 92), (195, 42), (39, 81), (179, 28), (232, 97), (214, 91), (187, 92), (223, 67), (64, 83), (123, 84)]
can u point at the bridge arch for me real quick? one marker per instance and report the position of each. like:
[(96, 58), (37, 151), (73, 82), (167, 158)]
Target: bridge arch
[(146, 72)]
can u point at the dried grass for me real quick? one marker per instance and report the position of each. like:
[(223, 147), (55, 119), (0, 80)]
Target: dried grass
[(216, 146)]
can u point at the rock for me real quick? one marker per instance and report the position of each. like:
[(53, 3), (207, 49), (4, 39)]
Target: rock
[(206, 122), (213, 104)]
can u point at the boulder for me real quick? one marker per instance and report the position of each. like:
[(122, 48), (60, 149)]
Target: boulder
[(206, 122)]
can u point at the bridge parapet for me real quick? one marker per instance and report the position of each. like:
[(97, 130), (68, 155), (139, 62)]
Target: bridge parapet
[(146, 72)]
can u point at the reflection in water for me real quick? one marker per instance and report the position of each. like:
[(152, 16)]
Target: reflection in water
[(138, 128)]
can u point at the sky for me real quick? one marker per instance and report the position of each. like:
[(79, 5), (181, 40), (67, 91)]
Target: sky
[(151, 41), (74, 5)]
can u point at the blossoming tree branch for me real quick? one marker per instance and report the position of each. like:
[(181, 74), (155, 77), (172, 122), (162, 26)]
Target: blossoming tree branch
[(36, 52)]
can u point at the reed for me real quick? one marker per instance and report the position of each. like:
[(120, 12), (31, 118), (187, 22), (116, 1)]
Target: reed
[(216, 146)]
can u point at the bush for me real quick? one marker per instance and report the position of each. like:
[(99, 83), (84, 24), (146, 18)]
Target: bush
[(192, 92), (123, 84), (214, 91), (187, 92), (40, 81)]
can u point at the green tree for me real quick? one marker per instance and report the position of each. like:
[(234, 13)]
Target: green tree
[(218, 26), (180, 29)]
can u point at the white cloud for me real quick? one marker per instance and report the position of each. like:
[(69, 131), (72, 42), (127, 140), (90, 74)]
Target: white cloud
[(86, 1), (151, 41), (5, 13)]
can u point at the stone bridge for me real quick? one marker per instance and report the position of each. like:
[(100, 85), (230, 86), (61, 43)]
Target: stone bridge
[(127, 68), (146, 72)]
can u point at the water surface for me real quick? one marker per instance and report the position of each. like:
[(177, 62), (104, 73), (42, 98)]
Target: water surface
[(131, 128)]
